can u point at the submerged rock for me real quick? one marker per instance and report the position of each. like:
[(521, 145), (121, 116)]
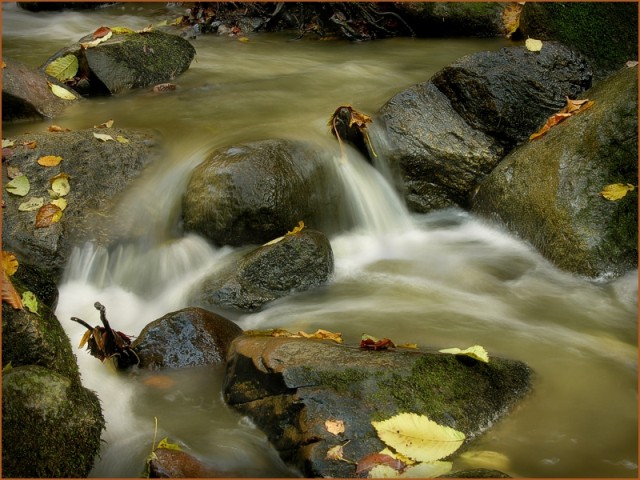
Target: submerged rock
[(186, 338), (547, 191), (293, 263), (290, 387), (51, 426)]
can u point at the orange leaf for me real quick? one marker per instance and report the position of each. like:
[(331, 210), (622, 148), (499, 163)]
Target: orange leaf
[(367, 463), (49, 161), (9, 293), (159, 381), (9, 263), (101, 32), (33, 144), (334, 426), (47, 215), (57, 129)]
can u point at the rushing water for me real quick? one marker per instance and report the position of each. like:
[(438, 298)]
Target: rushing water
[(441, 280)]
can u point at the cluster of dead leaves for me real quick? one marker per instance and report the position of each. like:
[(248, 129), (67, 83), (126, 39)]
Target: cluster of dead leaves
[(368, 342), (571, 108), (9, 294)]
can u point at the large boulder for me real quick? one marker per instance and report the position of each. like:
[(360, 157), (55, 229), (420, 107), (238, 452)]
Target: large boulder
[(127, 60), (254, 192), (548, 191), (186, 338), (97, 172), (290, 387), (508, 93), (604, 32), (51, 426), (26, 94), (295, 262)]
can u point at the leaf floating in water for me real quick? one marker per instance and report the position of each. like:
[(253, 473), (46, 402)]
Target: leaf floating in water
[(486, 459), (164, 87), (427, 470), (19, 186), (616, 191), (63, 68), (49, 160), (533, 45), (477, 352), (419, 438), (48, 215), (61, 92)]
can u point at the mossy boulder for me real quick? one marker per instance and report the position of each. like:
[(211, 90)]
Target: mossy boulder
[(290, 387), (293, 263), (604, 32), (51, 426), (547, 191)]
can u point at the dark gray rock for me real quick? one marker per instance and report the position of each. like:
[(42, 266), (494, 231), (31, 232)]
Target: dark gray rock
[(254, 192), (170, 463), (294, 263), (97, 170), (547, 191), (439, 156), (507, 94), (289, 387), (26, 94), (51, 426), (186, 338)]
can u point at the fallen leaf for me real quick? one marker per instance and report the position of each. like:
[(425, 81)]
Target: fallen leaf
[(322, 335), (34, 203), (159, 381), (243, 39), (98, 41), (146, 29), (60, 203), (370, 461), (571, 107), (103, 136), (13, 172), (9, 263), (335, 453), (57, 129), (121, 139), (164, 87), (616, 191), (63, 68), (335, 427), (60, 184), (7, 143), (101, 32), (9, 293), (18, 186), (61, 92), (419, 438), (164, 443), (107, 124), (32, 144), (49, 161), (7, 153), (408, 345), (631, 63), (122, 31), (383, 471), (533, 45), (4, 65), (368, 342), (30, 301), (476, 351), (427, 470), (48, 215), (511, 18), (485, 459), (297, 229)]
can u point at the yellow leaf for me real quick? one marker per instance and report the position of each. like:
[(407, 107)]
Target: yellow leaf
[(616, 191), (243, 39), (61, 92), (49, 161), (97, 41), (60, 184), (476, 351), (335, 427), (61, 203), (9, 263), (419, 438), (297, 229), (533, 45), (34, 203), (335, 453), (164, 443), (30, 301), (322, 335), (85, 338), (122, 31), (383, 471), (427, 470), (121, 139), (408, 345), (7, 143), (107, 124), (63, 68)]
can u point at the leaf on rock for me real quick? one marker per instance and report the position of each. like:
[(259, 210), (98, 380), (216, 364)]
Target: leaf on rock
[(32, 144), (60, 203), (121, 139), (477, 352), (427, 470), (34, 203), (511, 18), (9, 263), (101, 32), (368, 342), (48, 215), (408, 345), (122, 31), (60, 184), (63, 68), (335, 427), (19, 186), (61, 92), (57, 129), (572, 107), (335, 453), (164, 443), (383, 471), (103, 136), (419, 438), (30, 301), (631, 63), (147, 29), (370, 461), (7, 143), (616, 191), (321, 334), (49, 161), (533, 45), (107, 124), (9, 293), (98, 40), (297, 229)]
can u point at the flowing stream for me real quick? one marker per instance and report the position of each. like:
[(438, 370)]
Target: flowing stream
[(441, 280)]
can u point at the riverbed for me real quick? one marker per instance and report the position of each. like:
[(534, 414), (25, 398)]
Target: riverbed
[(445, 279)]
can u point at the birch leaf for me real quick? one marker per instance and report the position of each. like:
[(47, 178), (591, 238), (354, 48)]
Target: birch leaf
[(61, 92), (19, 186), (477, 352), (61, 203), (30, 301), (60, 184), (321, 334), (63, 68), (49, 160), (48, 215), (427, 470), (419, 438), (103, 136), (34, 203), (533, 45), (107, 124), (616, 191)]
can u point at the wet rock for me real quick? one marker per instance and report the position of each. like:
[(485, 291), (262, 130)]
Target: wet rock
[(26, 94), (289, 387), (129, 60), (169, 463), (605, 33), (254, 192), (50, 425), (294, 263), (186, 338), (439, 156), (435, 19), (547, 190), (97, 171), (476, 473), (508, 93)]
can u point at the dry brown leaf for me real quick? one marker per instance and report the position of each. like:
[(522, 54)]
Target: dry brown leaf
[(32, 144), (321, 334), (57, 129), (49, 160), (367, 463), (101, 32), (48, 215), (9, 293), (107, 124), (335, 427)]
